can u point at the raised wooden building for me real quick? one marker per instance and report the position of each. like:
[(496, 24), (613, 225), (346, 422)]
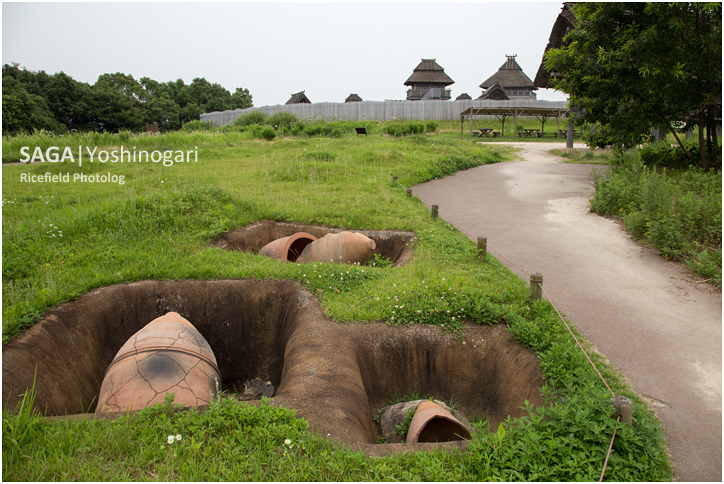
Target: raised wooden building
[(511, 78), (428, 81), (299, 98)]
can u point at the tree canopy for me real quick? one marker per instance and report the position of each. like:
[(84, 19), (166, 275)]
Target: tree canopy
[(59, 103), (634, 66)]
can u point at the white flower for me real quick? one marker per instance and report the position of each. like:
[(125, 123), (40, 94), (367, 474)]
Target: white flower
[(178, 436), (170, 439)]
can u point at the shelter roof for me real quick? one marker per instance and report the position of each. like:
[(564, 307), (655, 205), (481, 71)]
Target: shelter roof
[(565, 22), (429, 71), (510, 75), (353, 98), (495, 92), (518, 108), (463, 96)]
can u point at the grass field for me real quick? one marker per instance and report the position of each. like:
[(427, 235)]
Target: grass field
[(61, 240)]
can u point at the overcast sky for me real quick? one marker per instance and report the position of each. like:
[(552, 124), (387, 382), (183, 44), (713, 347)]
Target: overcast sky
[(274, 49)]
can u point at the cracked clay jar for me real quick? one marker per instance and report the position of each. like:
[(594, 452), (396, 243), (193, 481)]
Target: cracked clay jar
[(168, 355)]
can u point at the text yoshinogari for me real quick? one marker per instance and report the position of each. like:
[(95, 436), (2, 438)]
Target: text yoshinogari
[(54, 154)]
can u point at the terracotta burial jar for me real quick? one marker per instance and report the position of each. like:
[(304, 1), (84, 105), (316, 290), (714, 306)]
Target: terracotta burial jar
[(432, 423), (344, 247), (288, 248), (168, 355)]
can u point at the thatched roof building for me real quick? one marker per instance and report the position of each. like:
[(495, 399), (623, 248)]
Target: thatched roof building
[(299, 98), (463, 97), (353, 98), (495, 92), (565, 22), (513, 80), (428, 81)]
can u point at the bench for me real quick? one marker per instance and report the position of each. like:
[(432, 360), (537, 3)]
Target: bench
[(361, 131)]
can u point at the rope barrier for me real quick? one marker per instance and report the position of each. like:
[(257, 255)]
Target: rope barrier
[(610, 448), (516, 265), (576, 340)]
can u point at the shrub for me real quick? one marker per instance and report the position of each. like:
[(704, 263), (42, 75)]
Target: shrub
[(197, 125), (663, 155), (247, 119), (282, 118), (431, 126), (268, 133)]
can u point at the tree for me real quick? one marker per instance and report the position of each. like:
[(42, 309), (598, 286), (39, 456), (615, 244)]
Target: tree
[(116, 100), (70, 101), (23, 111), (634, 66), (241, 99)]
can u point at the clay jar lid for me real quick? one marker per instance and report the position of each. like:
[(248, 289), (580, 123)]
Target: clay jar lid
[(432, 423)]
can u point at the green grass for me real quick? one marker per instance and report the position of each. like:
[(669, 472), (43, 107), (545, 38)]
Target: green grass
[(678, 212), (62, 240), (587, 156)]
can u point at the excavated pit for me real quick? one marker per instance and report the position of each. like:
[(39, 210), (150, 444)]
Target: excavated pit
[(336, 375), (394, 245)]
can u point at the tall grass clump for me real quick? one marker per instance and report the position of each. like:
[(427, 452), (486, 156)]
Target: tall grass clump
[(197, 125), (678, 212), (405, 128), (253, 117)]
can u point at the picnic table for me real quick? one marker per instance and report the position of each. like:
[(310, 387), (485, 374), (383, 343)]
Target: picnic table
[(529, 133)]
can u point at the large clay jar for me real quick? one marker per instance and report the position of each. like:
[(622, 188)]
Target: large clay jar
[(344, 247), (168, 355), (432, 423), (288, 248)]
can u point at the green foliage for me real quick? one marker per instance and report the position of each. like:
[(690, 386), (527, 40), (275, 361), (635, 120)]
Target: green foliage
[(246, 119), (403, 427), (405, 128), (35, 101), (197, 125), (634, 66), (665, 156), (677, 212), (453, 164), (282, 118)]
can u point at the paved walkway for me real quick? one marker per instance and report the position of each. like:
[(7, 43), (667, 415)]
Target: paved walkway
[(647, 316)]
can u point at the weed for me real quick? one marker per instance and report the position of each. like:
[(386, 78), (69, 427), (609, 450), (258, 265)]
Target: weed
[(403, 427)]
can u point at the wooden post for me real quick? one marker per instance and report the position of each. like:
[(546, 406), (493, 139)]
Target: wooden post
[(409, 192), (433, 212), (482, 247), (536, 281), (624, 408)]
